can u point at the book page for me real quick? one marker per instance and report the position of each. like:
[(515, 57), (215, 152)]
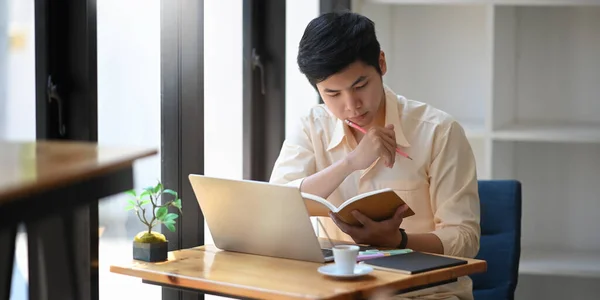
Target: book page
[(363, 195), (317, 206), (377, 206)]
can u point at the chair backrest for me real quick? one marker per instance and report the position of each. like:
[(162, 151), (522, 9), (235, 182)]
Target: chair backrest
[(500, 242)]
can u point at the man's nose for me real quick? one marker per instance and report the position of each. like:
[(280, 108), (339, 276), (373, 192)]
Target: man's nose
[(353, 102)]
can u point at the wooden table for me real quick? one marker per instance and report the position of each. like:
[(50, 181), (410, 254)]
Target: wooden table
[(210, 270), (48, 185)]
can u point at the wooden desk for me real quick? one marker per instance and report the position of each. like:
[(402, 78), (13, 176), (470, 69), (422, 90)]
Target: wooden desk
[(210, 270), (48, 185)]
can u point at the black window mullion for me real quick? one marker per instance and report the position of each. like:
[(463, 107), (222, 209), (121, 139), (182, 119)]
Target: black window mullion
[(326, 6), (65, 57), (182, 120), (264, 85)]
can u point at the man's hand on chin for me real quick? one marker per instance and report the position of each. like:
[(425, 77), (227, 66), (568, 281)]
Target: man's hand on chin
[(379, 234)]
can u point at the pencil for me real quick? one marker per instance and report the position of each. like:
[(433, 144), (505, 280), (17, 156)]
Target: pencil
[(350, 123)]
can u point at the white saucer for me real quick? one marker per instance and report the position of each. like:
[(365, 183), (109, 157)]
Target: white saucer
[(331, 270)]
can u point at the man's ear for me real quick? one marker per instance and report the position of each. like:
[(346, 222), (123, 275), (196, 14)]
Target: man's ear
[(382, 63)]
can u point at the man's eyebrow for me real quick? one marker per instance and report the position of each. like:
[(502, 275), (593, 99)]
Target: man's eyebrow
[(357, 81)]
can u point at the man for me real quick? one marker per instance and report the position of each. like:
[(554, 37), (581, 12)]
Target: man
[(341, 57)]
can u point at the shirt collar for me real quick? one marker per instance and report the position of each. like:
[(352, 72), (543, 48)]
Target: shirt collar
[(392, 116)]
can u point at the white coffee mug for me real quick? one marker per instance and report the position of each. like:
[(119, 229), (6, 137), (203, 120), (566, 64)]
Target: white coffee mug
[(345, 258)]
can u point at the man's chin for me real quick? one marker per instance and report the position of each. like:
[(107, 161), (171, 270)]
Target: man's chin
[(365, 123), (364, 120)]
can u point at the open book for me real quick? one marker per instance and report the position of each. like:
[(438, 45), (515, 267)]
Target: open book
[(377, 205)]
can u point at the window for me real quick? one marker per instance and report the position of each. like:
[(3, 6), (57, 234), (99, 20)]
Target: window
[(129, 95), (223, 91), (17, 103)]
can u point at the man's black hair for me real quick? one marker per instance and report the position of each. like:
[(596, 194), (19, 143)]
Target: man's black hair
[(335, 40)]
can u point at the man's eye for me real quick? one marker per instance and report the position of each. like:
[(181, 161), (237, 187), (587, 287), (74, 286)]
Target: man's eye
[(362, 86), (333, 95)]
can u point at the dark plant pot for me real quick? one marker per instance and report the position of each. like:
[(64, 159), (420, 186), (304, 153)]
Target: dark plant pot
[(150, 252)]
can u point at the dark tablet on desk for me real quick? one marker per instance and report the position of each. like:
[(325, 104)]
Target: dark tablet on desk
[(413, 262)]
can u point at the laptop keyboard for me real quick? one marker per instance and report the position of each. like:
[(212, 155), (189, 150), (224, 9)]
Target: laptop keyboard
[(329, 252)]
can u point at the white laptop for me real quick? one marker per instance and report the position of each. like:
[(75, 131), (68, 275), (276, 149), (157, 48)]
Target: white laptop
[(258, 218)]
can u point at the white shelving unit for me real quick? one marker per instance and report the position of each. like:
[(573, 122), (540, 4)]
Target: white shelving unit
[(523, 78)]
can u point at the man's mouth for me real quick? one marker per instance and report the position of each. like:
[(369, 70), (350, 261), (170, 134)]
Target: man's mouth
[(359, 118)]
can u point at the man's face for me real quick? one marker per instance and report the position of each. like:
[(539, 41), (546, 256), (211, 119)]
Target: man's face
[(355, 93)]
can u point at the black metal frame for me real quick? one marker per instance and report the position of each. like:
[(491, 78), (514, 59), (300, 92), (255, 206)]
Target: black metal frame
[(326, 6), (66, 55), (264, 85), (182, 119), (66, 98), (7, 253)]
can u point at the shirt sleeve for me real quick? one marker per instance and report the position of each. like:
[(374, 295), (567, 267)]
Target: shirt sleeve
[(454, 194), (296, 159)]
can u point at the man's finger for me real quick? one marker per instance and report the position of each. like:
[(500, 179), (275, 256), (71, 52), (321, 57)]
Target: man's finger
[(389, 145), (391, 140), (364, 220), (389, 130), (400, 211), (346, 228), (387, 151)]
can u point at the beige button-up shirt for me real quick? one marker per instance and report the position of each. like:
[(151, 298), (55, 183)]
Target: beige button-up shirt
[(439, 184)]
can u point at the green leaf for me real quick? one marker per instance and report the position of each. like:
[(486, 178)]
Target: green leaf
[(129, 207), (171, 216), (171, 227), (145, 202), (172, 192), (131, 193), (132, 202), (168, 222), (145, 194), (158, 188), (177, 203), (161, 213)]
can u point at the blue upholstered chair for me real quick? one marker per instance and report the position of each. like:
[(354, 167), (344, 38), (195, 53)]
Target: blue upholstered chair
[(500, 239)]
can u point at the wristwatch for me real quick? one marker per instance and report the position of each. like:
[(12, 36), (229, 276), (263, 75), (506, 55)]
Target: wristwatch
[(404, 239)]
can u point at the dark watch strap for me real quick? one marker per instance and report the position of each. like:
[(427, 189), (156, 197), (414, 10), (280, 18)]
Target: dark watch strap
[(404, 239)]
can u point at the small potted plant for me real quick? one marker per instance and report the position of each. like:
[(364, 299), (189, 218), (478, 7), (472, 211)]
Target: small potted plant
[(150, 245)]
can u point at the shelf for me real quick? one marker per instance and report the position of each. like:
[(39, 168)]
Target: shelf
[(560, 263), (520, 76), (549, 133), (494, 2)]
